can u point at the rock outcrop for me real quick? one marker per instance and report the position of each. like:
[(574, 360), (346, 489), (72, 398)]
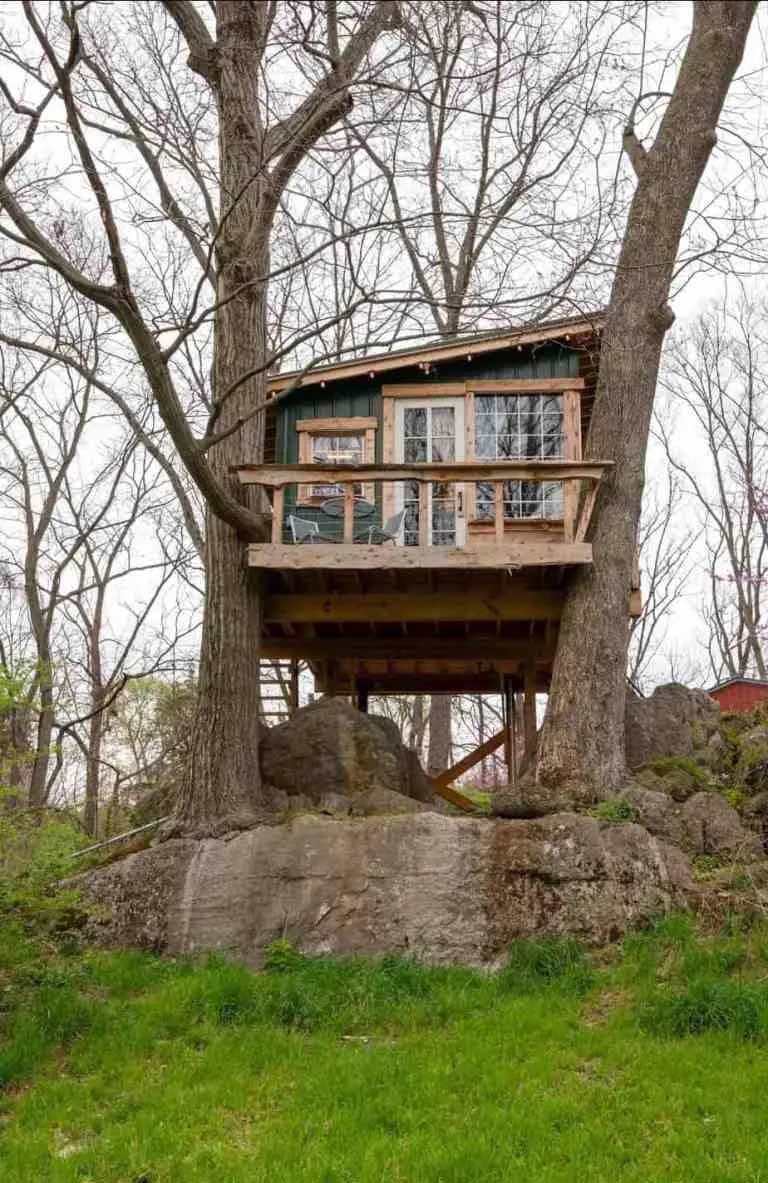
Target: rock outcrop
[(443, 889), (673, 721), (330, 749), (703, 824)]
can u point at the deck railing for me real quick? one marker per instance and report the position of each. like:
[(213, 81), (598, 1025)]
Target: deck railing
[(580, 481)]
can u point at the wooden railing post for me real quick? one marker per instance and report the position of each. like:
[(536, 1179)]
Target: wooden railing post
[(423, 513), (570, 506), (349, 513), (498, 509), (278, 510)]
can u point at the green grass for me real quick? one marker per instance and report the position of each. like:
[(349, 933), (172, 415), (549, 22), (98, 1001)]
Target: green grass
[(647, 1063)]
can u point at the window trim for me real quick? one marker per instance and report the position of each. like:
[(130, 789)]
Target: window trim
[(363, 425)]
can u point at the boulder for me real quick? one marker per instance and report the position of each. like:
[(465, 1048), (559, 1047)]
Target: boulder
[(329, 748), (673, 721), (657, 811), (442, 889), (378, 802), (712, 826)]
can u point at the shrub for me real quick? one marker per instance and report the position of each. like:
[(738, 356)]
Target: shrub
[(547, 963), (664, 764), (280, 956), (615, 811), (35, 855)]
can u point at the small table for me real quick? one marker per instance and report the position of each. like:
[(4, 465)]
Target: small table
[(334, 507)]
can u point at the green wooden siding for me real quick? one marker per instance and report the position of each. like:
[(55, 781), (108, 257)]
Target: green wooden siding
[(361, 396)]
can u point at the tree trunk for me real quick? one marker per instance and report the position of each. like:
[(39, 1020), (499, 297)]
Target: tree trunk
[(222, 789), (581, 751), (439, 754), (38, 781)]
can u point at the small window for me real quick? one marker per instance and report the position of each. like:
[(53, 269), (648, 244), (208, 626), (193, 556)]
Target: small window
[(336, 449), (335, 442)]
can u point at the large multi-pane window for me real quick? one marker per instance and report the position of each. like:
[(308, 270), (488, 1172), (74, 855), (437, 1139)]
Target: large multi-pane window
[(520, 427)]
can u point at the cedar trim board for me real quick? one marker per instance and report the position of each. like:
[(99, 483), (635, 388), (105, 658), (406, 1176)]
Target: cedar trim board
[(357, 556), (481, 386), (437, 351), (352, 423)]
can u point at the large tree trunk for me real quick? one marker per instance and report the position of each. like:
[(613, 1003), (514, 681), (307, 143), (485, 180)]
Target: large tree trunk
[(222, 788), (581, 751)]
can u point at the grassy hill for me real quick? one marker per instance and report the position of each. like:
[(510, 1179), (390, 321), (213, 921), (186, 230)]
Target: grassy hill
[(648, 1062)]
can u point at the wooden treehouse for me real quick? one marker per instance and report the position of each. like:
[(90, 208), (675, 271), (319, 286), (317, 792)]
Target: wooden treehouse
[(428, 509)]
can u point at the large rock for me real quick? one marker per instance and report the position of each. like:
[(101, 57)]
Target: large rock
[(443, 889), (712, 826), (329, 747), (704, 824), (657, 811), (673, 721)]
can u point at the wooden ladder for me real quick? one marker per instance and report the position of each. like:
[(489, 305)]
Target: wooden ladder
[(278, 691)]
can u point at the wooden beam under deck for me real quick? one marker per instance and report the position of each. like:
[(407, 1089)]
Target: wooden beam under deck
[(359, 556), (409, 648), (515, 604)]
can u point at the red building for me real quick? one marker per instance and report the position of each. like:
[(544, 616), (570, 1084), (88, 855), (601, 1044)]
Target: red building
[(739, 694)]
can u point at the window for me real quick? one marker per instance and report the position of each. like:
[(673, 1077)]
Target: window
[(335, 442), (520, 427), (429, 434), (336, 449)]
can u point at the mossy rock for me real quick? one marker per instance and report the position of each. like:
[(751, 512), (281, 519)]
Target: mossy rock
[(680, 776)]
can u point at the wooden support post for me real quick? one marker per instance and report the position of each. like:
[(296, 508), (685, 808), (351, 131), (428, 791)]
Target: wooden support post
[(361, 697), (349, 513), (498, 509), (572, 451), (529, 712), (278, 510), (423, 513), (510, 727), (294, 690)]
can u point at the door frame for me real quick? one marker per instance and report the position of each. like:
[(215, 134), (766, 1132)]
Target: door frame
[(458, 403)]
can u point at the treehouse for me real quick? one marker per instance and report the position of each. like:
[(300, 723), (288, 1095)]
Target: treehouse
[(428, 508)]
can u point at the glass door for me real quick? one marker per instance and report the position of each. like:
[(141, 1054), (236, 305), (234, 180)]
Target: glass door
[(431, 430)]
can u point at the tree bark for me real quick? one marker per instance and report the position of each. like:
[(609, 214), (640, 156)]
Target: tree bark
[(581, 750), (223, 783)]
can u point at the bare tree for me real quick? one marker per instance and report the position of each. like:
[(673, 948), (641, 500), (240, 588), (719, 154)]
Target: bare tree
[(102, 81), (666, 558), (716, 382), (581, 747), (502, 127)]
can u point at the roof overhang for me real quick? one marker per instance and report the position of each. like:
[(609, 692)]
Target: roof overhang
[(436, 351)]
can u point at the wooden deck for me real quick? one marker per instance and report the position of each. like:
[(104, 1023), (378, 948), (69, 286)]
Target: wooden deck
[(423, 619)]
